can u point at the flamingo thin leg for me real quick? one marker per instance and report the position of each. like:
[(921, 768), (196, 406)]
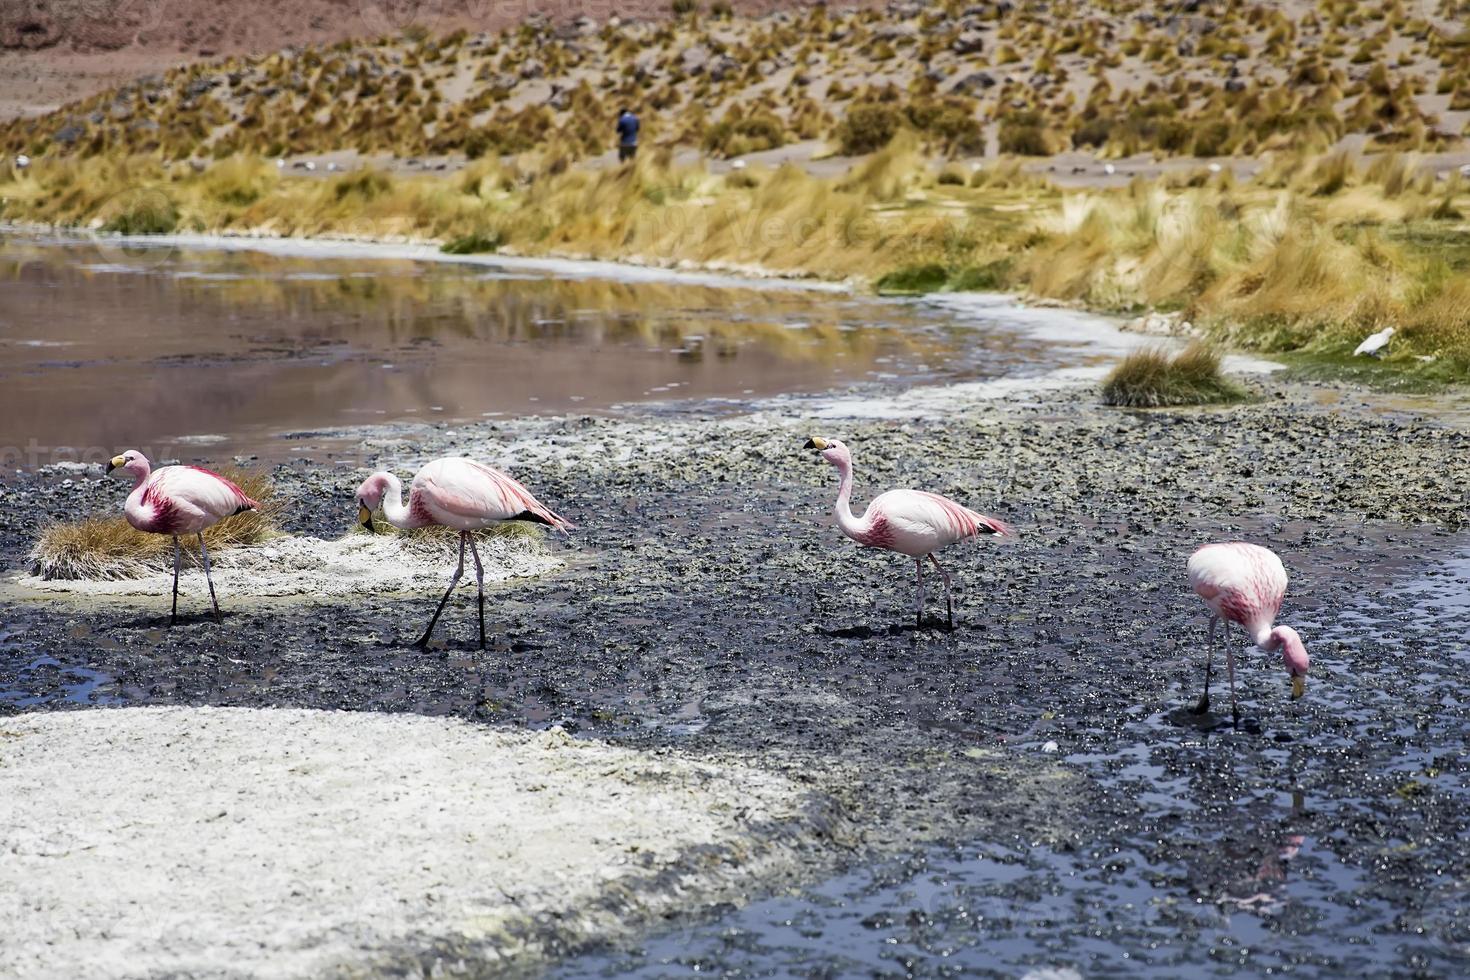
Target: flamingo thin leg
[(480, 584), (173, 617), (204, 551), (1230, 665), (948, 590), (1204, 699), (423, 641), (919, 617)]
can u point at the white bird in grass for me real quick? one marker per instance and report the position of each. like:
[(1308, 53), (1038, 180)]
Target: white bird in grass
[(177, 500), (911, 522), (459, 493), (1373, 346), (22, 161)]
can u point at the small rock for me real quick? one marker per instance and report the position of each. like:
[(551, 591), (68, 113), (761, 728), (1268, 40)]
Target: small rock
[(978, 82), (968, 42)]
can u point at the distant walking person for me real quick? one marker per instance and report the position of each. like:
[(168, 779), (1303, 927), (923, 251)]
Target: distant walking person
[(627, 135)]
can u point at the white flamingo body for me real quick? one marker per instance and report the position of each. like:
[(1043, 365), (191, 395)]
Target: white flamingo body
[(1244, 584), (177, 500), (460, 493), (915, 523)]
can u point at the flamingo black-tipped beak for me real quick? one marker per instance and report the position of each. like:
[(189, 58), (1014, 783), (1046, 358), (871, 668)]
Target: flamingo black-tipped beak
[(114, 463), (816, 443), (365, 518), (1298, 686)]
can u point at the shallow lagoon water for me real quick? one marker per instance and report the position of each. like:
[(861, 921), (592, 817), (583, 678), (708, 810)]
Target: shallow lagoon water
[(212, 352)]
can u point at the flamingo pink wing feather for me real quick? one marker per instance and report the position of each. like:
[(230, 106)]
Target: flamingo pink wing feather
[(474, 491), (200, 489), (945, 517), (1242, 582)]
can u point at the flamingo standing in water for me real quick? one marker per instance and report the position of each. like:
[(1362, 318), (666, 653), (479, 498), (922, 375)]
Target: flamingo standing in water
[(1244, 584), (177, 500), (459, 493), (911, 522)]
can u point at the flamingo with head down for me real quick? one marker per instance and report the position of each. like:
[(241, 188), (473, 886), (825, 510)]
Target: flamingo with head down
[(177, 500), (1244, 584), (911, 522), (459, 493)]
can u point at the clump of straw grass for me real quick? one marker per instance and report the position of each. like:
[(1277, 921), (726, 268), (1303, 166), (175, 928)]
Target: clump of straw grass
[(1152, 378), (438, 537), (109, 548)]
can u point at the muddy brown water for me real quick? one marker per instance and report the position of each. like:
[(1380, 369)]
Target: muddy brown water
[(200, 353)]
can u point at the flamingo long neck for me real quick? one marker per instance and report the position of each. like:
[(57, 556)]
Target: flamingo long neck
[(851, 526), (140, 475), (395, 511)]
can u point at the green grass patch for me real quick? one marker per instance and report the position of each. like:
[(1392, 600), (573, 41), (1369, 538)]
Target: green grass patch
[(988, 278), (913, 280), (144, 213), (1406, 375), (931, 277), (1153, 378), (474, 243)]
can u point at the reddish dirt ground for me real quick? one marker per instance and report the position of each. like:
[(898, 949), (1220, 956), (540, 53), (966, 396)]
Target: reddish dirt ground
[(54, 51)]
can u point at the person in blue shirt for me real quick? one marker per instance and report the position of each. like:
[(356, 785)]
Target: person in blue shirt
[(627, 135)]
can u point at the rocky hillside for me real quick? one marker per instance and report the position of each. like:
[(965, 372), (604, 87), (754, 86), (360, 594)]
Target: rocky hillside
[(169, 28), (1114, 77)]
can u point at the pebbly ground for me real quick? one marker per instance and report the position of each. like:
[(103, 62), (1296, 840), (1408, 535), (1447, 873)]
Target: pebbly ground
[(709, 605)]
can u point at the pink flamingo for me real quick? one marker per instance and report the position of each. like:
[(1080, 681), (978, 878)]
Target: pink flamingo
[(177, 500), (910, 522), (459, 493), (1244, 584)]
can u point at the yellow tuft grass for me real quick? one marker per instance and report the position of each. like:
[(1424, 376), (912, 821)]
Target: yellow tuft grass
[(1153, 378), (109, 548), (1310, 254), (436, 540)]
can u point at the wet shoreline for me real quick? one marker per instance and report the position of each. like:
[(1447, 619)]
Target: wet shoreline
[(713, 607)]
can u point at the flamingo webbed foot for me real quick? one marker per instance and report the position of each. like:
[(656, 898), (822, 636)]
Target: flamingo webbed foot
[(1202, 706)]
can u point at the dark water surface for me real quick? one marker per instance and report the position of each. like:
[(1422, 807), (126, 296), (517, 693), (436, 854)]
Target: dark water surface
[(196, 353)]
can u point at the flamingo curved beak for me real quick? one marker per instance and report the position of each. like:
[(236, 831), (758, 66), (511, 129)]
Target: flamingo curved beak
[(114, 463), (1298, 686), (816, 443), (365, 517)]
